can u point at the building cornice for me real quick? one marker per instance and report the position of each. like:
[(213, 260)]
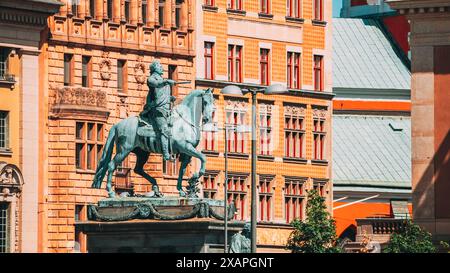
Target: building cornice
[(292, 92), (419, 6)]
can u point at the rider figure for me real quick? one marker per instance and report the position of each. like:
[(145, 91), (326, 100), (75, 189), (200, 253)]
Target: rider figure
[(157, 105)]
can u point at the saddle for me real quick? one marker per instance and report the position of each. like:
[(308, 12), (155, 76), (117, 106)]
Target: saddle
[(146, 129)]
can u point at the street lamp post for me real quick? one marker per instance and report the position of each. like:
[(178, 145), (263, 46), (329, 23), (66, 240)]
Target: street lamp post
[(210, 128), (235, 90)]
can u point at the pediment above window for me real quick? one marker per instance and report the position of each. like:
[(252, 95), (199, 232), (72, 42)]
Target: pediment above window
[(11, 179)]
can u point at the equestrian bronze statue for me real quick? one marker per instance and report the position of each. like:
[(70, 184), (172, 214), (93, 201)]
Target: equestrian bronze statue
[(158, 130)]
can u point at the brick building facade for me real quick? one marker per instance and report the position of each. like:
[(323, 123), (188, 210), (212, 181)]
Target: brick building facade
[(98, 56), (255, 44)]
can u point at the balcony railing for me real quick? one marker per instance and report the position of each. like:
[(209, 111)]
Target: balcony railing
[(381, 226)]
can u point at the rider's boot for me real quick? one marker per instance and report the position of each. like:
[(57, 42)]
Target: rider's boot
[(165, 148)]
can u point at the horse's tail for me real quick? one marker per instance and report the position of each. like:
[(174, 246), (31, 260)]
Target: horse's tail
[(102, 166)]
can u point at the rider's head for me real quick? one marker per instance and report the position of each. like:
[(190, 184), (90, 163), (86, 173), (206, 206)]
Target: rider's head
[(156, 66)]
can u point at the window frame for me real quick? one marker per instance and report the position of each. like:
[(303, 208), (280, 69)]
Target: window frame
[(68, 68), (237, 187), (318, 10), (294, 198), (264, 6), (265, 198), (122, 74), (264, 65), (290, 11), (4, 115), (209, 56), (319, 137), (318, 71), (234, 63), (86, 161), (294, 69), (86, 68), (265, 126)]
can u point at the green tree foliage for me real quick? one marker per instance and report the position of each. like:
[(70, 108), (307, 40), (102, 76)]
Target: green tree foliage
[(411, 239), (317, 234)]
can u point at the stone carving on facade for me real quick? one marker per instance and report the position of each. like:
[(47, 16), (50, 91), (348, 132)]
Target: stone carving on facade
[(11, 180), (139, 72), (105, 68), (319, 113), (76, 101), (237, 105), (294, 110)]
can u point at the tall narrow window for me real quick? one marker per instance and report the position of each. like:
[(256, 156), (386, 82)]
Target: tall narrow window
[(235, 116), (4, 130), (293, 199), (320, 187), (237, 193), (209, 138), (4, 227), (210, 185), (294, 132), (319, 138), (318, 73), (127, 11), (75, 7), (92, 8), (4, 53), (68, 69), (293, 70), (209, 60), (318, 10), (88, 144), (265, 6), (209, 3), (144, 12), (161, 5), (178, 4), (265, 129), (293, 8), (265, 198), (171, 168), (235, 4), (110, 9), (264, 66), (173, 75), (122, 76), (86, 80), (234, 63)]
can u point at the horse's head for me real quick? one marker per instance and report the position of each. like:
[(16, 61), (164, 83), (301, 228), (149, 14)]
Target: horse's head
[(208, 105)]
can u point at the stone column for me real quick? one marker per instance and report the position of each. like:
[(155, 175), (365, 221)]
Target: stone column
[(151, 11), (168, 14), (30, 149), (116, 10), (134, 16), (184, 16), (64, 8), (82, 8), (98, 9)]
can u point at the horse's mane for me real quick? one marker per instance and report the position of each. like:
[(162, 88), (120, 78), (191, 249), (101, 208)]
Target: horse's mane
[(191, 95)]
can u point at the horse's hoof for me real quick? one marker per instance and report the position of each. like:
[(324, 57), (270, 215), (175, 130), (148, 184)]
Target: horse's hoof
[(111, 194), (182, 193)]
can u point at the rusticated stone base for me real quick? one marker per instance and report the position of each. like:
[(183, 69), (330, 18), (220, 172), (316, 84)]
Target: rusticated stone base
[(156, 236)]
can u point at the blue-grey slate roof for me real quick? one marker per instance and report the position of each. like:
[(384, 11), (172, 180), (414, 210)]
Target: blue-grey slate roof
[(372, 151), (365, 58)]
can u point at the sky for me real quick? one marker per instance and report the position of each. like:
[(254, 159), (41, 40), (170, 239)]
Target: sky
[(337, 4)]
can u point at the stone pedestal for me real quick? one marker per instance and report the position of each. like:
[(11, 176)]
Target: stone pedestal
[(147, 224), (157, 236)]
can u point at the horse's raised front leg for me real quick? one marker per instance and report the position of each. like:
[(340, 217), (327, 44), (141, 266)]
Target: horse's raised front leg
[(141, 159), (112, 166), (191, 151), (184, 161)]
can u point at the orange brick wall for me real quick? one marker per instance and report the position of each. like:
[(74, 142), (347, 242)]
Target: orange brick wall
[(68, 186), (315, 39)]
